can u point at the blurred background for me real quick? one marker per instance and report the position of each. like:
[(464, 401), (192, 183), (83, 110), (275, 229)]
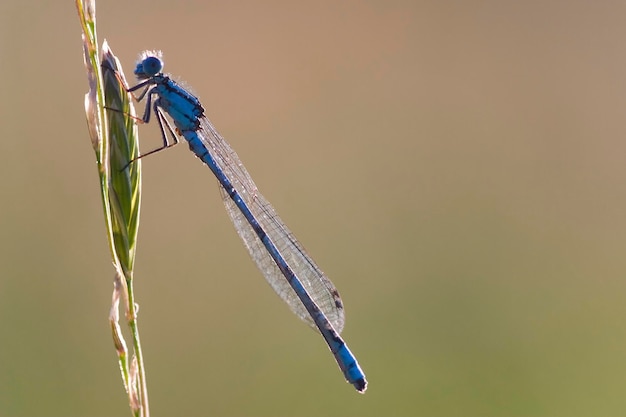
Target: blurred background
[(457, 169)]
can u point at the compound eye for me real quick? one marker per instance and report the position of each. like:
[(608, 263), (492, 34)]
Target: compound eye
[(152, 65)]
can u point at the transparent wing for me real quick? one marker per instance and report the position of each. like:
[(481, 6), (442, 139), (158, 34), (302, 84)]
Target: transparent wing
[(318, 286)]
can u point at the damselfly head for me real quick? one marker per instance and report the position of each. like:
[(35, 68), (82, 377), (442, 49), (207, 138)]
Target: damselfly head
[(150, 64)]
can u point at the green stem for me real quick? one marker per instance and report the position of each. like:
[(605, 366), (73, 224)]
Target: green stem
[(134, 328), (115, 141)]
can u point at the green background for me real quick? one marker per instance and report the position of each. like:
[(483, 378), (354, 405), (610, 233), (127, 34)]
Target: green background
[(457, 169)]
